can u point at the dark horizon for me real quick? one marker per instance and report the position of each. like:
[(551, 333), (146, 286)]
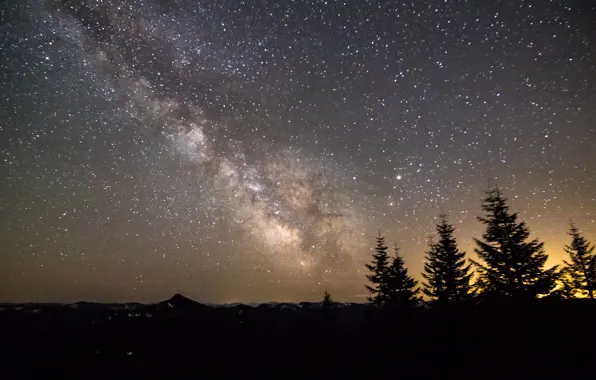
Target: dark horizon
[(168, 298)]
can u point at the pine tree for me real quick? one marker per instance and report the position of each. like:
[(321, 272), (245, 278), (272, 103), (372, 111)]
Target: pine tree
[(379, 268), (327, 301), (512, 266), (402, 288), (581, 270), (447, 275), (434, 287), (565, 288)]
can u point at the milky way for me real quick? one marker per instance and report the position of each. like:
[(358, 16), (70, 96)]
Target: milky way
[(250, 151)]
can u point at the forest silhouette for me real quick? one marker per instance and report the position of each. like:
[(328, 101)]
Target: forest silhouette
[(509, 266)]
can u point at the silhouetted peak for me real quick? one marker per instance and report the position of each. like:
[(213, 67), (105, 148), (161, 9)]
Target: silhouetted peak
[(178, 300)]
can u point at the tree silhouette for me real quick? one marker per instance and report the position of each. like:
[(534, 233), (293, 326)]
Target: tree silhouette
[(564, 288), (512, 266), (379, 268), (327, 301), (446, 273), (402, 287), (435, 286), (581, 270)]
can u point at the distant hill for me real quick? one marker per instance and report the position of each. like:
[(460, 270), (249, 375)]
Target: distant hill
[(177, 302)]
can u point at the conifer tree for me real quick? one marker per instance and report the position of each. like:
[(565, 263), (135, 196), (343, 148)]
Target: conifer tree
[(434, 287), (379, 268), (512, 266), (565, 288), (446, 273), (327, 301), (581, 270), (402, 287)]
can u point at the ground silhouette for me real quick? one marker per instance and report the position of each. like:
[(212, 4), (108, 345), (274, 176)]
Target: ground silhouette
[(183, 338)]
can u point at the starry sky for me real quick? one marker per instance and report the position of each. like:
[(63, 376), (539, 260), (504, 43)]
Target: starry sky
[(248, 151)]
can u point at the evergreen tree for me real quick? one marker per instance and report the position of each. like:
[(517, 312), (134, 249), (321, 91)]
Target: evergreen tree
[(402, 288), (512, 265), (434, 287), (379, 268), (446, 273), (327, 301), (581, 270), (564, 288)]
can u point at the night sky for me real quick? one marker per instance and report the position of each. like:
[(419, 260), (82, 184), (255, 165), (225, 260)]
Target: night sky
[(248, 151)]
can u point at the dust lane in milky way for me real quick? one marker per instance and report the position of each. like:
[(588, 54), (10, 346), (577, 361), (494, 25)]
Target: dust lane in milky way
[(236, 151)]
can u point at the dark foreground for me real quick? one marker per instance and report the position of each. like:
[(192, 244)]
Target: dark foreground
[(182, 339)]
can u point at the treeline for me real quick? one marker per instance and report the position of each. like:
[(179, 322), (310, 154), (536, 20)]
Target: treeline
[(510, 265)]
